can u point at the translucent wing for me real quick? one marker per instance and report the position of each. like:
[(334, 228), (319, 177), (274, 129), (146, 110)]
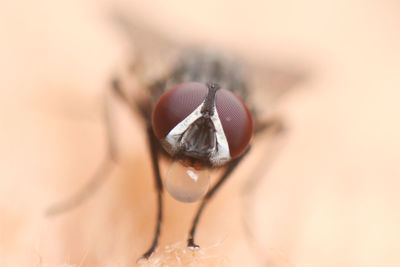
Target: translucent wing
[(152, 52), (270, 81), (155, 53)]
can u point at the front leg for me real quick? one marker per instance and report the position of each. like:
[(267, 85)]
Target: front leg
[(228, 171), (155, 153), (143, 108)]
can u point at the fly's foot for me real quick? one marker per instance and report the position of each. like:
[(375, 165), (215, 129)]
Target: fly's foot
[(142, 260), (145, 256), (191, 245)]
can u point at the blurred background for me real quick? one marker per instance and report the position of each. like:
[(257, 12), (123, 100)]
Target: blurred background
[(330, 198)]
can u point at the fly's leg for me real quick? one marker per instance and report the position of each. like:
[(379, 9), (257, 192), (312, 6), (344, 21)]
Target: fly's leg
[(103, 169), (142, 107), (155, 152), (228, 171), (274, 130)]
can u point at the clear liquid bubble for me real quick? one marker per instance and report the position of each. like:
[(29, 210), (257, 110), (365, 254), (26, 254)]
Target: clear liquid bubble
[(187, 184)]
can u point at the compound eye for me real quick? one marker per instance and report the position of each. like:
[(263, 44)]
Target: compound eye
[(175, 105), (236, 121)]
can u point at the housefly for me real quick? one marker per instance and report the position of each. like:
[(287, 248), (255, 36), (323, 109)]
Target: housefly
[(197, 113)]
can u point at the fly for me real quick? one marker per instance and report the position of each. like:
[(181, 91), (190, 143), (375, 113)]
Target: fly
[(197, 118), (197, 115)]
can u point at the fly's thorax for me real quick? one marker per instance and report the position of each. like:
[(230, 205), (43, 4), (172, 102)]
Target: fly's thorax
[(207, 65)]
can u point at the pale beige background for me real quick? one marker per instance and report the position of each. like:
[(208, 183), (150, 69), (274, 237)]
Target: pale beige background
[(330, 199)]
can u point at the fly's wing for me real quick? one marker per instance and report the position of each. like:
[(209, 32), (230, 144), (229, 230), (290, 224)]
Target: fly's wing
[(151, 55), (155, 53), (269, 82)]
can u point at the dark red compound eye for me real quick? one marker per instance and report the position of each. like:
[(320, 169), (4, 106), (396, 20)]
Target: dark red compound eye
[(175, 105), (181, 100), (236, 121)]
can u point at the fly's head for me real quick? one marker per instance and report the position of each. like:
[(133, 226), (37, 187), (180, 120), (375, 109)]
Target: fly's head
[(202, 124)]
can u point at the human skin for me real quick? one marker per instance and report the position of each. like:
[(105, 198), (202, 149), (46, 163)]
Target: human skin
[(329, 198)]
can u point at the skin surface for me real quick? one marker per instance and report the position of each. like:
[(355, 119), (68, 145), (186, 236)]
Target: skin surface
[(330, 197)]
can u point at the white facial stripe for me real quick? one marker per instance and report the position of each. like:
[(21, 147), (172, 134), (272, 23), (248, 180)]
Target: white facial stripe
[(221, 154), (176, 132)]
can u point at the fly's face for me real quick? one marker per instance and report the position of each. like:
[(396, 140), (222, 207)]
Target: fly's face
[(202, 123), (202, 126)]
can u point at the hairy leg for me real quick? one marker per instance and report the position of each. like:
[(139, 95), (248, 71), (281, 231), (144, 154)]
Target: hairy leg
[(228, 171), (143, 109), (155, 152)]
